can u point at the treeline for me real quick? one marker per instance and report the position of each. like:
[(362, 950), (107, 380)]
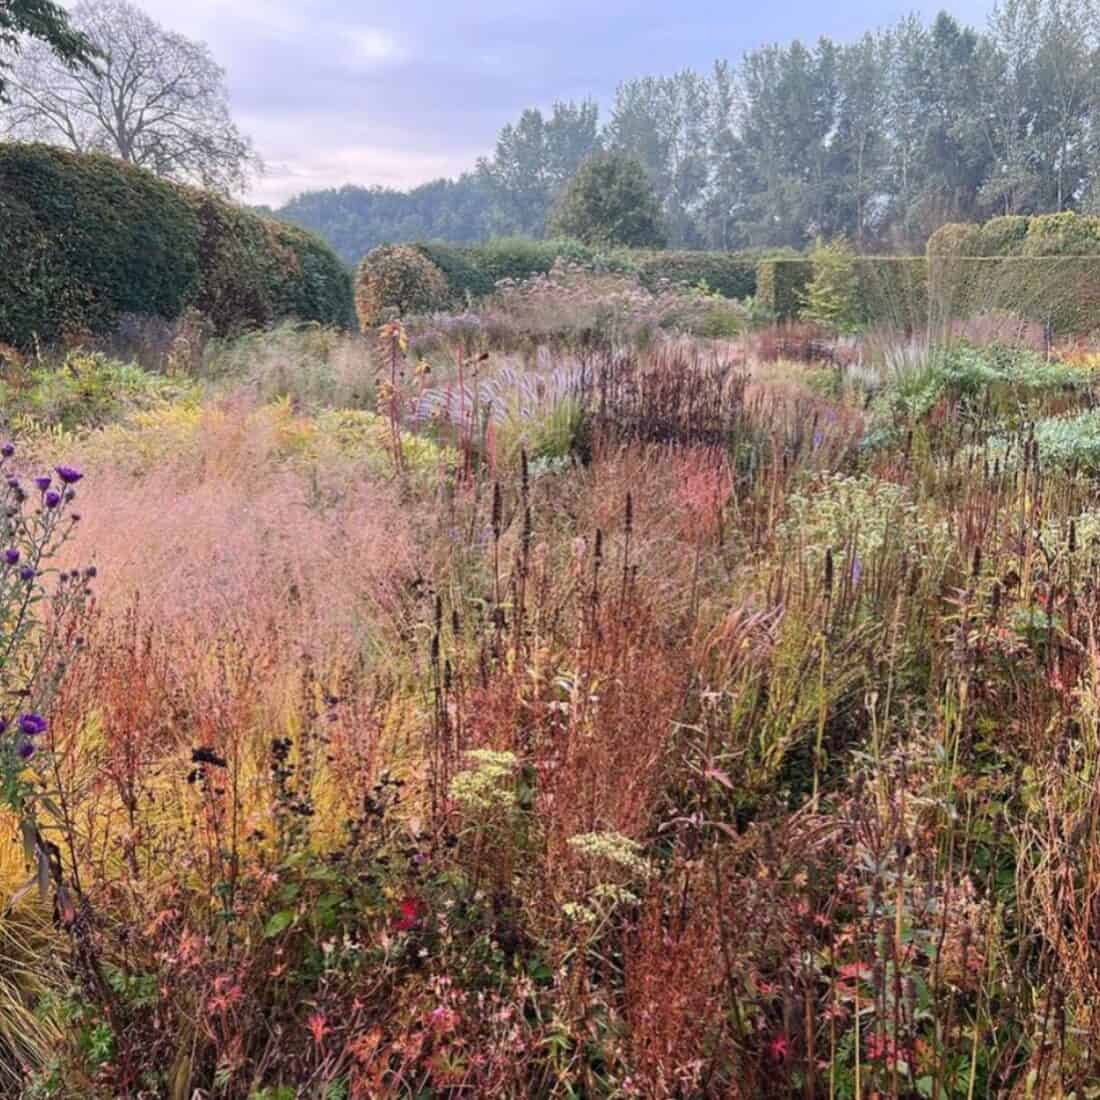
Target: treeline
[(881, 140)]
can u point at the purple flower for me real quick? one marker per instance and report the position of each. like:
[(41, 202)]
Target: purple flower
[(857, 570), (33, 724), (43, 482), (25, 748), (53, 498), (819, 438), (68, 474), (27, 573), (7, 450), (11, 556)]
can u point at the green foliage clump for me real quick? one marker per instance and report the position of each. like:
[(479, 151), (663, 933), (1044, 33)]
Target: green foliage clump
[(85, 239), (609, 202), (857, 518), (397, 280), (832, 295), (89, 389), (1003, 376), (1069, 442)]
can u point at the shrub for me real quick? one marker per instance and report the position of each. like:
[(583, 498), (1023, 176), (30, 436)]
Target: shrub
[(832, 294), (85, 239), (397, 279)]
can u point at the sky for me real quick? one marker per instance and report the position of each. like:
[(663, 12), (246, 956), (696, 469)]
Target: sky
[(398, 92)]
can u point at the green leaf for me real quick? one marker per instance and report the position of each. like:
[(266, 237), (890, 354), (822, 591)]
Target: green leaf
[(278, 922)]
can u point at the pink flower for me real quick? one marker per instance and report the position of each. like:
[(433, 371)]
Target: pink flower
[(779, 1048)]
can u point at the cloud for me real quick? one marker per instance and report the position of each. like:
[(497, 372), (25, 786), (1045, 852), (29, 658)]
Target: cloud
[(376, 46)]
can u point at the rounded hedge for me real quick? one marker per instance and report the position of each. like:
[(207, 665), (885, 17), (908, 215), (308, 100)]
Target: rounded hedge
[(85, 239), (398, 279)]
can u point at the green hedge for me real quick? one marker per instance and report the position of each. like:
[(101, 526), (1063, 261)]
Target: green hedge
[(520, 258), (466, 281), (728, 273), (84, 239), (890, 290), (781, 286), (1043, 269), (473, 271), (893, 290)]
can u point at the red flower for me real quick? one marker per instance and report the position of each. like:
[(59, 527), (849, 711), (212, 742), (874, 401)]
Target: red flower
[(779, 1048), (408, 915), (318, 1025)]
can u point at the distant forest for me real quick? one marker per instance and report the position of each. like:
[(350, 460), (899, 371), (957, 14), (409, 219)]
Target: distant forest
[(881, 140)]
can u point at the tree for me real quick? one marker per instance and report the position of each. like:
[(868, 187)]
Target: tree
[(535, 158), (44, 22), (610, 202), (157, 100)]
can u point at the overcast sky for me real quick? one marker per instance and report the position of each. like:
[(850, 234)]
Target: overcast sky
[(397, 92)]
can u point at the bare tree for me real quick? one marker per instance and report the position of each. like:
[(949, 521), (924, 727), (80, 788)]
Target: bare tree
[(155, 99)]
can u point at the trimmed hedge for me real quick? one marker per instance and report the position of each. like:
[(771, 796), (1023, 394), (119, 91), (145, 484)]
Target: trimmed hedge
[(781, 286), (520, 258), (473, 271), (893, 290), (1044, 269), (466, 281), (84, 239), (890, 289), (728, 273)]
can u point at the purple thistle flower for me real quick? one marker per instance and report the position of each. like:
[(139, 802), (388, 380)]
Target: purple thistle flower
[(11, 556), (68, 474), (53, 498), (7, 450), (27, 573), (25, 748), (33, 724), (43, 482)]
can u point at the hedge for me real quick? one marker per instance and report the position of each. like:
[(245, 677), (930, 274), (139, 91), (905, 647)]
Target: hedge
[(85, 239), (472, 271), (781, 286), (1044, 269), (893, 290), (466, 281), (728, 273)]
